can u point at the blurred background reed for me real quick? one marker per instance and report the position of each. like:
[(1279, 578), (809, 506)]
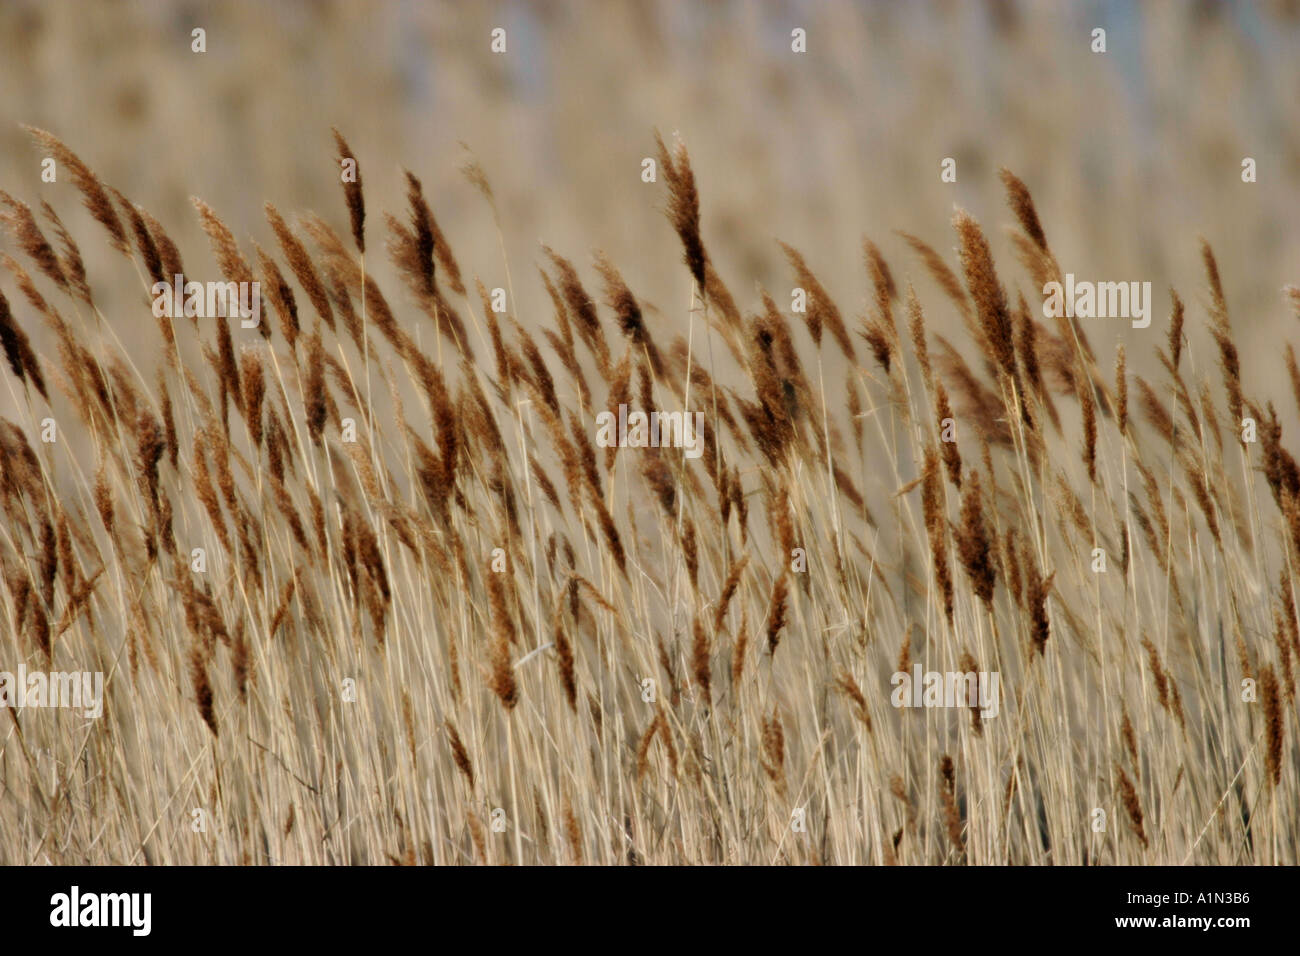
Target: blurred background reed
[(1130, 154)]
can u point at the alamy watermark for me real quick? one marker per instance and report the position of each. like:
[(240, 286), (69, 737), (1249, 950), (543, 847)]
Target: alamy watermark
[(1098, 300), (132, 910), (654, 429), (209, 300), (75, 689), (950, 689)]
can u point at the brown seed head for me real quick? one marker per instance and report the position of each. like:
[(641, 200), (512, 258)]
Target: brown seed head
[(352, 191)]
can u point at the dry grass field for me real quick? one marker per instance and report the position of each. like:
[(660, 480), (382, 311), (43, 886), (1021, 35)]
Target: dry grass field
[(365, 586)]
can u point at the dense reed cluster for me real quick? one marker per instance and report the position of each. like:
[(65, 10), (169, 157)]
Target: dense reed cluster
[(434, 622)]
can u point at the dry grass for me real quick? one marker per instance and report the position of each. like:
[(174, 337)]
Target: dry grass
[(473, 609)]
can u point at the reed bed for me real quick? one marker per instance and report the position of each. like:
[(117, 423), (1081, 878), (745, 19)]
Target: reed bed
[(473, 635)]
